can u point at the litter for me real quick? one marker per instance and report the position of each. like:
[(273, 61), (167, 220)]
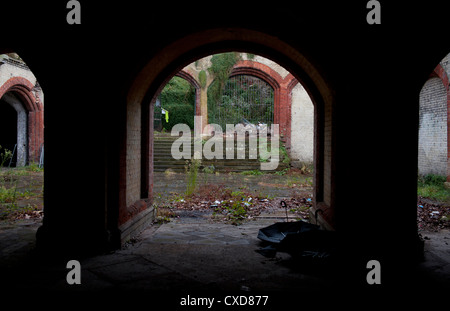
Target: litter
[(277, 232), (300, 239)]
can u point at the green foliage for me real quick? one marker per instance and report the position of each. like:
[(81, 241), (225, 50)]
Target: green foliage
[(237, 207), (202, 78), (222, 64), (221, 67), (284, 156), (192, 174), (17, 185), (432, 186), (4, 156), (8, 195), (253, 172), (34, 167), (178, 91), (178, 97), (282, 172), (178, 114), (431, 179), (237, 212)]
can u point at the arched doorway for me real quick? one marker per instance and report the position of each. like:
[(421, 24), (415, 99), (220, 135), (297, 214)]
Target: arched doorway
[(246, 99), (22, 92), (134, 204), (15, 129), (8, 126)]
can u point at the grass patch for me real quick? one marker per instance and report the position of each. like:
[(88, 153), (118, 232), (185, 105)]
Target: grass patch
[(252, 172), (21, 192), (192, 168), (432, 187)]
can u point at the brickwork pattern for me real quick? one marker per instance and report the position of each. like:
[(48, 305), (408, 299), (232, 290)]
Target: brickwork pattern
[(23, 88), (433, 128)]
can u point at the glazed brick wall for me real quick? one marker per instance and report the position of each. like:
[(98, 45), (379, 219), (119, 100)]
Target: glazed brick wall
[(433, 128), (133, 158), (302, 131)]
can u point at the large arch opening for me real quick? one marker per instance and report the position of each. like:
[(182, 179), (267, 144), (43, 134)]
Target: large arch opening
[(241, 89), (136, 193)]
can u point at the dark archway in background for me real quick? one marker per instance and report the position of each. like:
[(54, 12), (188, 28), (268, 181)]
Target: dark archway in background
[(8, 128)]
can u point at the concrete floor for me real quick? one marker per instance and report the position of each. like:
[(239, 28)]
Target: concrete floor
[(192, 256)]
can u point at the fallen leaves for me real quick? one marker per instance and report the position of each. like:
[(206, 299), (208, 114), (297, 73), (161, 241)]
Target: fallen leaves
[(432, 216), (239, 205)]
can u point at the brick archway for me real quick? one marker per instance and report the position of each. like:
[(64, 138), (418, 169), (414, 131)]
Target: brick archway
[(133, 204), (188, 77), (282, 103), (22, 88)]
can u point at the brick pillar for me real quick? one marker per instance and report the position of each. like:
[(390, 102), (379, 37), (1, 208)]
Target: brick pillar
[(203, 103), (35, 135)]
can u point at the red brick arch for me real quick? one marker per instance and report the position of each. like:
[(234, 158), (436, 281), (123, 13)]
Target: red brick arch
[(22, 88), (188, 77), (282, 89)]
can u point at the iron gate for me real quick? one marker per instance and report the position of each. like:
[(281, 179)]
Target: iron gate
[(245, 99)]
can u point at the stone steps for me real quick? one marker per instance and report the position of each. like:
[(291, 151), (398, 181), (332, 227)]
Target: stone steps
[(163, 160)]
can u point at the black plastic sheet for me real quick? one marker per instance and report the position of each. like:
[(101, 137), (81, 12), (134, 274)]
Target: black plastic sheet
[(299, 239)]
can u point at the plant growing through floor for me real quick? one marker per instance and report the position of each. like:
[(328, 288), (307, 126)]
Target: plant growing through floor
[(236, 208), (432, 186), (252, 172), (206, 171), (13, 198), (34, 167), (282, 172), (192, 168), (237, 212), (8, 195), (163, 214), (284, 156), (307, 168), (4, 156)]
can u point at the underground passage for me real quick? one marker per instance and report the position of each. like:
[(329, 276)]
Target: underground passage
[(104, 182)]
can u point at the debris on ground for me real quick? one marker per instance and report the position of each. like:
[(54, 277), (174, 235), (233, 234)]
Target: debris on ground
[(302, 240), (239, 205), (431, 215)]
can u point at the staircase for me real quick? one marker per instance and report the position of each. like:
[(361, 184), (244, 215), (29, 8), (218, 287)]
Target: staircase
[(163, 160)]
